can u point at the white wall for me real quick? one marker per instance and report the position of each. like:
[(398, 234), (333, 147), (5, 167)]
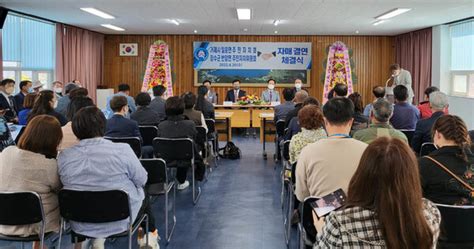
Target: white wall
[(440, 75)]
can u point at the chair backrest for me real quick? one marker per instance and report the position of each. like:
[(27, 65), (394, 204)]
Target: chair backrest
[(201, 136), (409, 134), (286, 150), (456, 223), (307, 218), (134, 143), (148, 133), (427, 148), (173, 149), (156, 169), (20, 208), (211, 126), (280, 127), (94, 206)]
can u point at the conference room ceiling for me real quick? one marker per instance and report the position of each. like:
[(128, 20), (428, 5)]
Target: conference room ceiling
[(298, 17)]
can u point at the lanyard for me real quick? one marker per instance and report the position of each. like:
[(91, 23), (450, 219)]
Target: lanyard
[(342, 135)]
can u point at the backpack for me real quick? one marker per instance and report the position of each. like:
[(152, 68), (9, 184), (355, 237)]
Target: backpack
[(230, 151)]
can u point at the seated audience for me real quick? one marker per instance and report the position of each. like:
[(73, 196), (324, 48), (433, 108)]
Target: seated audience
[(97, 164), (58, 89), (405, 115), (7, 101), (384, 206), (144, 114), (158, 103), (64, 101), (37, 86), (5, 134), (235, 93), (471, 134), (25, 88), (28, 103), (331, 94), (360, 121), (77, 103), (294, 126), (282, 109), (380, 114), (270, 94), (44, 104), (298, 85), (438, 102), (299, 99), (311, 121), (196, 116), (203, 105), (123, 90), (340, 90), (32, 166), (211, 95), (118, 125), (453, 142), (378, 92), (78, 92), (328, 164), (424, 107), (176, 126)]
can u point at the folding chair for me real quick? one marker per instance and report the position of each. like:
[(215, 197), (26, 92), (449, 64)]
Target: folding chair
[(213, 138), (306, 226), (148, 132), (201, 140), (22, 208), (409, 134), (158, 184), (98, 207), (178, 149), (427, 148), (280, 132), (134, 143), (456, 226), (288, 181)]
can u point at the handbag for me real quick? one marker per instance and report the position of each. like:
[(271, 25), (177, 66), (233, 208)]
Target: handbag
[(461, 181)]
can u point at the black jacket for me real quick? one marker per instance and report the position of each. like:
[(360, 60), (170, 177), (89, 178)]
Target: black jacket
[(230, 95), (146, 116), (11, 112), (423, 131), (438, 185), (293, 113)]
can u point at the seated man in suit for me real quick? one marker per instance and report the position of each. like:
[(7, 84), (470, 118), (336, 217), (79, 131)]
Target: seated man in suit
[(7, 101), (158, 103), (270, 94), (438, 103), (177, 126), (25, 86), (235, 93)]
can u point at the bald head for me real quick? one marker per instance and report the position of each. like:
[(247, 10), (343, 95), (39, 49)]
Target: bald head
[(301, 96)]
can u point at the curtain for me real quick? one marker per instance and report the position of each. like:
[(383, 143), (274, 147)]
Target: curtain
[(413, 53), (80, 56)]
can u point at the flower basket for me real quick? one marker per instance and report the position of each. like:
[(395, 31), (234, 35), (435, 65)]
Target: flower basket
[(250, 100)]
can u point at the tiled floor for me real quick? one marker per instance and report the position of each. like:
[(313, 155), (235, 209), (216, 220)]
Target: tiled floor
[(239, 207)]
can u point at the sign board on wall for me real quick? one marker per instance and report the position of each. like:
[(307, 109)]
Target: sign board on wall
[(253, 63)]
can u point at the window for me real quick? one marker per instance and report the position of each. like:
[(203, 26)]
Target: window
[(462, 58), (28, 49)]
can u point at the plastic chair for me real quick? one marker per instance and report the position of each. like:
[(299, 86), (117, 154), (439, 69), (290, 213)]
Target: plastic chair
[(280, 133), (456, 226), (148, 133), (22, 208), (306, 226), (427, 148), (134, 143), (178, 149), (98, 207), (212, 137), (158, 184)]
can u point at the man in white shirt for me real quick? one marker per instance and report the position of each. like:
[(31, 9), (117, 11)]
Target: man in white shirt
[(400, 76)]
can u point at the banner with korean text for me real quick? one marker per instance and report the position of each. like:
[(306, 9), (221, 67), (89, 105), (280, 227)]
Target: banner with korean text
[(253, 63)]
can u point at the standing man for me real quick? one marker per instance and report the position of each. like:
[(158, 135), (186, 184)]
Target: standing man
[(211, 94), (25, 88), (271, 95), (235, 93), (400, 76), (7, 101)]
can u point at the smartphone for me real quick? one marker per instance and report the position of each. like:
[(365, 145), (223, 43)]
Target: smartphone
[(326, 204)]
